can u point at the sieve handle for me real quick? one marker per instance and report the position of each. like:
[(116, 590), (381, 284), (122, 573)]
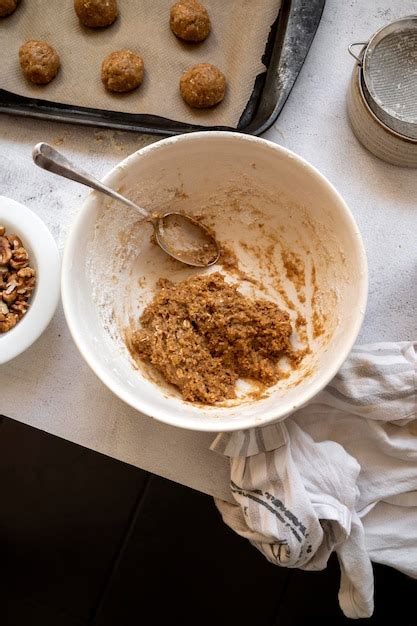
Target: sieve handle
[(358, 58)]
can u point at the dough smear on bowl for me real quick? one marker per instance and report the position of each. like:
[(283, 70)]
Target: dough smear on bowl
[(39, 61), (122, 71), (96, 13), (190, 21), (7, 7), (202, 334), (203, 86)]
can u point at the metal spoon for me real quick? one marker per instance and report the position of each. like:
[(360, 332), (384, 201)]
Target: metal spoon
[(178, 235)]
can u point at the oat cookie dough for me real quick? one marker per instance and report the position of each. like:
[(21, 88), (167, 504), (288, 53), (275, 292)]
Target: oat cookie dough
[(7, 7), (203, 86), (190, 21), (122, 71), (202, 334), (96, 13), (39, 61)]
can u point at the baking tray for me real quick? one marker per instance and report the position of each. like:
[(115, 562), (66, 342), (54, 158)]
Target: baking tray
[(289, 41)]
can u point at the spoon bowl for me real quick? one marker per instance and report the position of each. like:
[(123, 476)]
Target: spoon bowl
[(186, 239)]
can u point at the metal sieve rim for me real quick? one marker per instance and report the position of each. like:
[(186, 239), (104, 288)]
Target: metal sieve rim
[(389, 130)]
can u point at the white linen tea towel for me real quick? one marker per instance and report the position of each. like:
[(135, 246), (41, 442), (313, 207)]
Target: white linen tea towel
[(338, 475)]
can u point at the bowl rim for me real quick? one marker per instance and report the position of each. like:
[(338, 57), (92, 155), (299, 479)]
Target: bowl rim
[(220, 424), (37, 237)]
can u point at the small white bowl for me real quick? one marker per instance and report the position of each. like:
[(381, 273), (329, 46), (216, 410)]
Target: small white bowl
[(44, 257), (254, 194)]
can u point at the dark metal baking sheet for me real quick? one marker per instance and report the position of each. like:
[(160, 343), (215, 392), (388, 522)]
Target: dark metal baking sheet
[(289, 41)]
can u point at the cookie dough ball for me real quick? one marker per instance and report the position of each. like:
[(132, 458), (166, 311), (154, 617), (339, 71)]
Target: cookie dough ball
[(39, 61), (7, 7), (203, 86), (96, 13), (122, 71), (190, 21)]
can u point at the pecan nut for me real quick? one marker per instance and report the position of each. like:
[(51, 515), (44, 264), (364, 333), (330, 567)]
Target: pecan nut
[(19, 258), (7, 322), (5, 251), (10, 293), (19, 308), (15, 242)]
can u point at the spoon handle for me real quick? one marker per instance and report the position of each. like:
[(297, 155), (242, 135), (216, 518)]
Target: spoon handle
[(46, 157)]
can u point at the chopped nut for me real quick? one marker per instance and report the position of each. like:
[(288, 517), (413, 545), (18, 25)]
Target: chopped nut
[(5, 251), (24, 280), (7, 322), (12, 277), (17, 280), (10, 298), (15, 241), (20, 307), (12, 282), (11, 286), (26, 272), (10, 293), (19, 258)]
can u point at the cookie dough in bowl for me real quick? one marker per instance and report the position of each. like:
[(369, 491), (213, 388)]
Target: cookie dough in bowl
[(287, 238)]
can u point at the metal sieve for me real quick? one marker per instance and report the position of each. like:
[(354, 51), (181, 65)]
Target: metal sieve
[(389, 74)]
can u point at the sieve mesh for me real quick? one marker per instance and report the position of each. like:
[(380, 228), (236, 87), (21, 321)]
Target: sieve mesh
[(392, 74)]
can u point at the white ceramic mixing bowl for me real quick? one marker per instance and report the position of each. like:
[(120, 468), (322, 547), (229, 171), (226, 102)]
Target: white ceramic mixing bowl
[(274, 210)]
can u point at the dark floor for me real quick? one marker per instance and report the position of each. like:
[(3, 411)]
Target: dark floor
[(85, 539)]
